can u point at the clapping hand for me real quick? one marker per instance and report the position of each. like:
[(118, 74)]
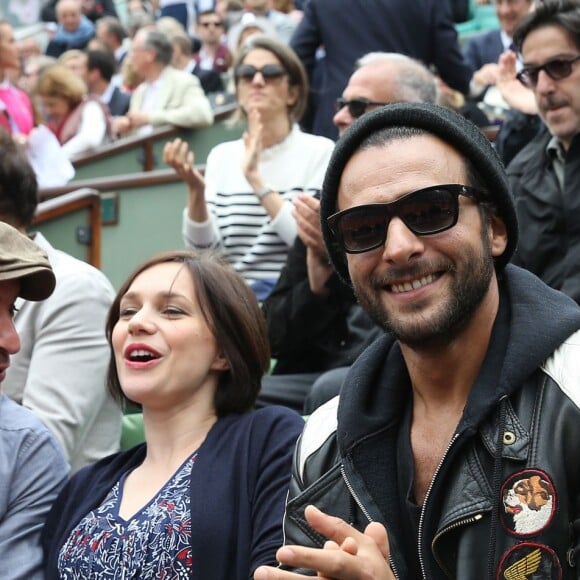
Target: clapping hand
[(347, 555), (176, 154), (253, 143)]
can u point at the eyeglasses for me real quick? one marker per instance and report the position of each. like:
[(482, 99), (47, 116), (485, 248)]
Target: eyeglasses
[(557, 69), (426, 211), (356, 107), (269, 72), (210, 23)]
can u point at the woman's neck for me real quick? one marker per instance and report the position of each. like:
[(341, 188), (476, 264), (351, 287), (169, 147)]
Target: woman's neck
[(275, 132), (173, 436)]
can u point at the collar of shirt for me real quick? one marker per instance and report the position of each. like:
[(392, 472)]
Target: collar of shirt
[(506, 40), (108, 94), (557, 155), (151, 94)]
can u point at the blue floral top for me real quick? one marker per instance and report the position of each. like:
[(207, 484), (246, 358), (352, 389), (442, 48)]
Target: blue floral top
[(155, 543)]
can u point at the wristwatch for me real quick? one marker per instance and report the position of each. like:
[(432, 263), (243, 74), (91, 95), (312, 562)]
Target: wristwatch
[(264, 191)]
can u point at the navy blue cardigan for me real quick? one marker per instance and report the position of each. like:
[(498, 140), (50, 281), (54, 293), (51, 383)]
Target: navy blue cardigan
[(238, 490)]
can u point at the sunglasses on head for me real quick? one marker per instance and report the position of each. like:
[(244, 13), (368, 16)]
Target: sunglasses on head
[(356, 107), (269, 72), (557, 69), (426, 211)]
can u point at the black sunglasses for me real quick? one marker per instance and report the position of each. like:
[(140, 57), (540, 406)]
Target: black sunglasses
[(426, 211), (356, 107), (557, 69), (269, 72)]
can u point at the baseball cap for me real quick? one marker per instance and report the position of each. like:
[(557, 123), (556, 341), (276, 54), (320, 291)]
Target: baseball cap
[(21, 259)]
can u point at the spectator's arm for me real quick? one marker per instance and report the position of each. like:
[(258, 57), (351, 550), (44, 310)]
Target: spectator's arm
[(91, 132), (447, 56), (306, 38)]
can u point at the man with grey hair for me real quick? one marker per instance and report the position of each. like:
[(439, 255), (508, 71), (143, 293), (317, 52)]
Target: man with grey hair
[(316, 329), (166, 96), (382, 78)]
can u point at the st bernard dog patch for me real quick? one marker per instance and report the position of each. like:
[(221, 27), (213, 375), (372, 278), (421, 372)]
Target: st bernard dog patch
[(529, 502)]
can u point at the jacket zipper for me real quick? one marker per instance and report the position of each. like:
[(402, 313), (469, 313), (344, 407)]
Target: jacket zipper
[(423, 509), (457, 524), (366, 514)]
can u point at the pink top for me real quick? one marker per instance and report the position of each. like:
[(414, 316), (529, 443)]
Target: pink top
[(19, 108)]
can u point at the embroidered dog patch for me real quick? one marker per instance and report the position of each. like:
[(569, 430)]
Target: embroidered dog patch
[(529, 502), (529, 561)]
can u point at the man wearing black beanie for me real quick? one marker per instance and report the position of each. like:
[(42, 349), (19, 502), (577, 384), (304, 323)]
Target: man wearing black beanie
[(447, 454)]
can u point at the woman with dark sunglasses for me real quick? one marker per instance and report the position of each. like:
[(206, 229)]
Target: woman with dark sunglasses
[(243, 204)]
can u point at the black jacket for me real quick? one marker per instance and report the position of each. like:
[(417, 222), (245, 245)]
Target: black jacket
[(549, 219), (521, 424), (310, 333)]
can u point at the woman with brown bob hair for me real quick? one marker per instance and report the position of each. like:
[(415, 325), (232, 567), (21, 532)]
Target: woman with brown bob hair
[(79, 121), (204, 496), (243, 204)]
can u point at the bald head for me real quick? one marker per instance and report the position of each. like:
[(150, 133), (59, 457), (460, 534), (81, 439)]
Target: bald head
[(386, 78), (68, 14)]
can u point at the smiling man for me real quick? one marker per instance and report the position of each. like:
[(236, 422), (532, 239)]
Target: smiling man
[(545, 175), (456, 404)]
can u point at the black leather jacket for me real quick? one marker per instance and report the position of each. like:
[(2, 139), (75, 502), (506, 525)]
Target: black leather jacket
[(505, 500), (548, 217)]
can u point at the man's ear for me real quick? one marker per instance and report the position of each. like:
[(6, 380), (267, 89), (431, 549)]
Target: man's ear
[(498, 236)]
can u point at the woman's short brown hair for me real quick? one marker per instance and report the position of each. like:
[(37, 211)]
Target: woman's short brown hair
[(232, 313), (289, 60), (58, 80)]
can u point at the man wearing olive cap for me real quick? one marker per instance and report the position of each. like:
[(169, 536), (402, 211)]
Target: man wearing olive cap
[(32, 466), (450, 452)]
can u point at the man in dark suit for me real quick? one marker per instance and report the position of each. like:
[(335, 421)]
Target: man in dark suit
[(348, 29), (110, 30), (482, 51), (101, 67), (210, 80)]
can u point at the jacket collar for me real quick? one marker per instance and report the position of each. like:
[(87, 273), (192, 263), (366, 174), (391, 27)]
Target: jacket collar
[(533, 321)]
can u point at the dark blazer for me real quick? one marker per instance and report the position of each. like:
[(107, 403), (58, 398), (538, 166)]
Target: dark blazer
[(119, 103), (210, 80), (348, 29), (482, 49)]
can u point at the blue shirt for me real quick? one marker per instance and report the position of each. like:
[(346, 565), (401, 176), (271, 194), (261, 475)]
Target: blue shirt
[(32, 472)]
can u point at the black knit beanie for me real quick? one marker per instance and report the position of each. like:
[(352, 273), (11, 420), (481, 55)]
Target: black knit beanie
[(441, 122)]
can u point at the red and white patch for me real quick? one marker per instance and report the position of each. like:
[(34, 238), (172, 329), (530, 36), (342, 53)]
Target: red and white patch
[(529, 502), (529, 561)]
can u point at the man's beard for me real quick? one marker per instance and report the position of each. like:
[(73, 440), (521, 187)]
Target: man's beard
[(465, 294)]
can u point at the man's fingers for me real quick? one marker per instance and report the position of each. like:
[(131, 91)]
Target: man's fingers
[(349, 546), (378, 533), (331, 527)]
